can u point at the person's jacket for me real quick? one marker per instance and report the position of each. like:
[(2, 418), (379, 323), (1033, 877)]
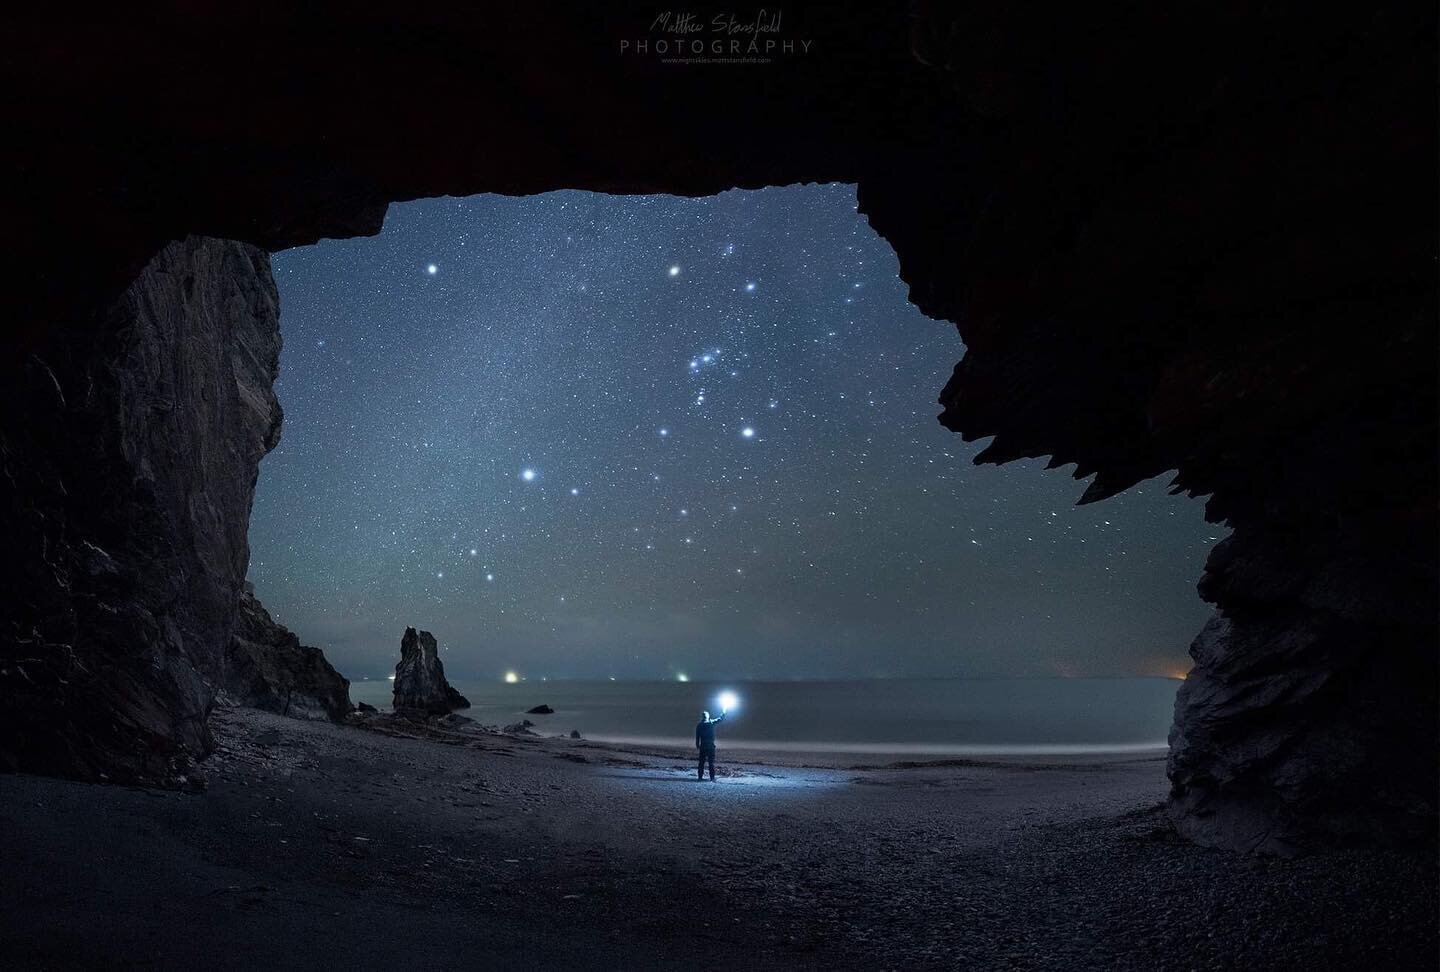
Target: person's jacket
[(705, 733)]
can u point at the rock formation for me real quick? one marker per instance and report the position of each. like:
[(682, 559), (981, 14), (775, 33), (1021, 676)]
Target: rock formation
[(1173, 237), (266, 667), (420, 684), (128, 457)]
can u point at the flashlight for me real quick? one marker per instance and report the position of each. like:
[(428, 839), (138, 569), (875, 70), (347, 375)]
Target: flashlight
[(728, 701)]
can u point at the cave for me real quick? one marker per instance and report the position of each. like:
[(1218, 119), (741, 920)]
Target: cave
[(1195, 240)]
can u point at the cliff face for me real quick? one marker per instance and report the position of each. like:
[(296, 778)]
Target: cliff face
[(129, 451), (266, 667), (1191, 237)]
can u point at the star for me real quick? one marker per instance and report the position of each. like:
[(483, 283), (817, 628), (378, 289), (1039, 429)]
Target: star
[(574, 490), (432, 269), (675, 270), (750, 287), (528, 475), (747, 432)]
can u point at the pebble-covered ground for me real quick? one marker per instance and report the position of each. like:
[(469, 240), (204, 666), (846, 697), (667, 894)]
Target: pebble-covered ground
[(322, 846)]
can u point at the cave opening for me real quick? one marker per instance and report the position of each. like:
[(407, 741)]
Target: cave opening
[(581, 436)]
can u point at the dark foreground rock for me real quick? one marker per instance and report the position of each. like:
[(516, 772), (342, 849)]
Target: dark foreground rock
[(128, 457), (420, 683), (267, 668), (540, 710)]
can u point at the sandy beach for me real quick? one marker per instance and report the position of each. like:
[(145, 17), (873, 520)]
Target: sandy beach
[(320, 846)]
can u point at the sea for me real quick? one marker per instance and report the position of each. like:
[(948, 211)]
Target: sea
[(899, 717)]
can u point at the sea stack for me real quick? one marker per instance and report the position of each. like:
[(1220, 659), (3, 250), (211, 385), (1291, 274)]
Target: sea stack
[(420, 677)]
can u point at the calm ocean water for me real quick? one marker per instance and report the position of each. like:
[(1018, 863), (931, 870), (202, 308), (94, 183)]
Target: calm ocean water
[(930, 717)]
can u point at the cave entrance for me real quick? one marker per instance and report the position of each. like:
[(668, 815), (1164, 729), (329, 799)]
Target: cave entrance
[(652, 437)]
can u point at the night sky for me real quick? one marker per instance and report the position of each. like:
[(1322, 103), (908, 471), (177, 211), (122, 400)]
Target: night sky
[(580, 435)]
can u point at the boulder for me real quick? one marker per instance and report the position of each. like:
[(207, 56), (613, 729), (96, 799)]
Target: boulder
[(420, 677), (267, 667), (540, 710)]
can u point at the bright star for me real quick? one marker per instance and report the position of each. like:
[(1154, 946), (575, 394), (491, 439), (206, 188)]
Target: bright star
[(432, 269), (750, 287), (748, 432), (489, 577), (574, 490), (674, 271), (473, 551), (664, 432), (528, 475)]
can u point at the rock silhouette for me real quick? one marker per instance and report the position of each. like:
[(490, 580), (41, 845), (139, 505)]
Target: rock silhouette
[(420, 677), (267, 667), (1213, 254)]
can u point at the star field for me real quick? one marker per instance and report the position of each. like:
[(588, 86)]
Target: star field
[(577, 435)]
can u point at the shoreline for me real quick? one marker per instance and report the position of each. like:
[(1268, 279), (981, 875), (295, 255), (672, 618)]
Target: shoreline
[(318, 845)]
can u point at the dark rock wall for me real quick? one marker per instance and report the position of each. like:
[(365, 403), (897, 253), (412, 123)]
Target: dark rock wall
[(266, 667), (420, 683), (129, 454), (1188, 236)]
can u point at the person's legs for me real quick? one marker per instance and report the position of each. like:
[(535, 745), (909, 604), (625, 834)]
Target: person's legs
[(700, 768), (710, 757)]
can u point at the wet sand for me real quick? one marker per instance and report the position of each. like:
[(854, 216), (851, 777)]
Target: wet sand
[(322, 846)]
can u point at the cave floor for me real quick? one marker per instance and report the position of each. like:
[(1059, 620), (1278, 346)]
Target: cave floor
[(321, 846)]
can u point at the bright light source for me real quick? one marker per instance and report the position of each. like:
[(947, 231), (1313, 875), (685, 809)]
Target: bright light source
[(682, 677), (512, 677), (728, 701)]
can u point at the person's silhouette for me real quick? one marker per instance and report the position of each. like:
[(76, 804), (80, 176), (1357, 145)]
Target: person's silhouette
[(705, 742)]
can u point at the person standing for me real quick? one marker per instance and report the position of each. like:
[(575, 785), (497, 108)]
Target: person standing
[(705, 743)]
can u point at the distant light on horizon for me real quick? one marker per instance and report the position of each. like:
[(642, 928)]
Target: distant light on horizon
[(681, 677), (511, 677)]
